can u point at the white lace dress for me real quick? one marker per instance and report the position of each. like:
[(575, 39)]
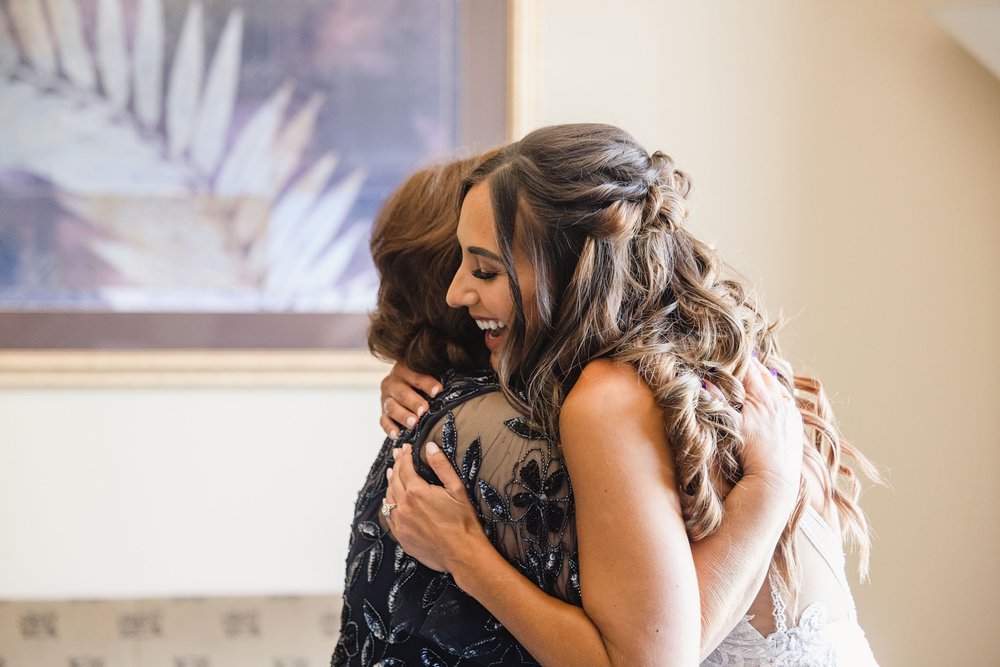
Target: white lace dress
[(813, 641)]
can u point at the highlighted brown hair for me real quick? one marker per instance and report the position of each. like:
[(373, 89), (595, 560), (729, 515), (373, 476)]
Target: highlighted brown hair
[(618, 276)]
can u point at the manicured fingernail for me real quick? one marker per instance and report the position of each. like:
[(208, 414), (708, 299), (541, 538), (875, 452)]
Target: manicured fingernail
[(773, 372), (421, 410), (435, 390), (388, 473), (411, 421), (393, 434), (395, 454), (432, 448)]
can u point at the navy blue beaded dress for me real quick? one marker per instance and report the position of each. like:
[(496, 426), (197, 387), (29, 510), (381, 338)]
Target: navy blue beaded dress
[(398, 612)]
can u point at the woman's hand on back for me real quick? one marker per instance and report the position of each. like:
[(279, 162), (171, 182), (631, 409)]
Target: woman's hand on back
[(772, 430), (402, 404), (434, 524)]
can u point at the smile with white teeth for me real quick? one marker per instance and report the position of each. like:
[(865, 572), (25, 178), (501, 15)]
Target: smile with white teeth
[(495, 327)]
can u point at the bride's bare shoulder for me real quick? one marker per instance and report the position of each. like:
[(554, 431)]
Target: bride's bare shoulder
[(609, 380), (607, 387)]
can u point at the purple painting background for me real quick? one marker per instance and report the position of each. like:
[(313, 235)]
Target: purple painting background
[(392, 80)]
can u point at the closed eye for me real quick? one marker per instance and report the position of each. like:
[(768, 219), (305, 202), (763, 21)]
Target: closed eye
[(484, 275)]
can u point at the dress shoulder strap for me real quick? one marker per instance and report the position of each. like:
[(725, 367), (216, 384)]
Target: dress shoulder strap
[(826, 542)]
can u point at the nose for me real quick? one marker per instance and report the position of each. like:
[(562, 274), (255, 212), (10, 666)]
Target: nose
[(459, 292)]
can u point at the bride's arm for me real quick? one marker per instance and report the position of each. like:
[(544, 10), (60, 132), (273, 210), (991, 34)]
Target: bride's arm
[(733, 561), (637, 577)]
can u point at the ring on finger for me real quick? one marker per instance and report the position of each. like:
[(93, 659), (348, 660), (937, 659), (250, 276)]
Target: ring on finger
[(387, 508)]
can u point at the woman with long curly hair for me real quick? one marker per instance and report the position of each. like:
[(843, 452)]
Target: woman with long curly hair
[(617, 332), (396, 610)]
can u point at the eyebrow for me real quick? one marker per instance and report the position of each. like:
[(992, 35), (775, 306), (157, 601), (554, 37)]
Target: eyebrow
[(483, 252)]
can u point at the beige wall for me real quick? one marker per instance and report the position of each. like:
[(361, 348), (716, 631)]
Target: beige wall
[(180, 492), (849, 154), (848, 159)]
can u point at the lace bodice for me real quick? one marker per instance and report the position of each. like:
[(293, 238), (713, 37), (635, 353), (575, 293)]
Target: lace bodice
[(804, 645), (814, 641)]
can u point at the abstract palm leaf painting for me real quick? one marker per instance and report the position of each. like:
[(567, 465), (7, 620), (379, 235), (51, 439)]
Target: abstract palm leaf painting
[(140, 171)]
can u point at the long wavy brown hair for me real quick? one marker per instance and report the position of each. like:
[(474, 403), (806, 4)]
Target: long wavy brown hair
[(618, 276), (415, 252)]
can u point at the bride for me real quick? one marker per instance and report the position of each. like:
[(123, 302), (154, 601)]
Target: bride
[(612, 328)]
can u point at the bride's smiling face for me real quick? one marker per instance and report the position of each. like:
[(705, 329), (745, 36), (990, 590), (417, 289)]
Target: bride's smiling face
[(481, 283)]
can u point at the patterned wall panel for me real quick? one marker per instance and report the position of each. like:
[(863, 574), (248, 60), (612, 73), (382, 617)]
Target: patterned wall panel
[(200, 632)]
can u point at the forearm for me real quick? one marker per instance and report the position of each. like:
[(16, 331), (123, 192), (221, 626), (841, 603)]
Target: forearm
[(554, 632), (732, 563)]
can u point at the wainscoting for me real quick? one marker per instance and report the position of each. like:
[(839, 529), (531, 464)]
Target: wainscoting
[(186, 632)]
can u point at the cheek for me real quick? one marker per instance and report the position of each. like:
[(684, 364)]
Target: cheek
[(527, 286), (528, 300), (503, 304), (526, 283)]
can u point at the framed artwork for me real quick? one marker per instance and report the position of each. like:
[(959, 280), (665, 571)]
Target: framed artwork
[(188, 186)]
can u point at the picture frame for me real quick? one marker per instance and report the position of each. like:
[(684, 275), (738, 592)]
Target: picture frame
[(37, 352)]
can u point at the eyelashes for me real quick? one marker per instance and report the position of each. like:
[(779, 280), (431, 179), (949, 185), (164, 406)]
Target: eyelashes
[(484, 275)]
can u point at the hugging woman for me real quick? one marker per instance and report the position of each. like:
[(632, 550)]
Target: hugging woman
[(512, 473), (617, 332)]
